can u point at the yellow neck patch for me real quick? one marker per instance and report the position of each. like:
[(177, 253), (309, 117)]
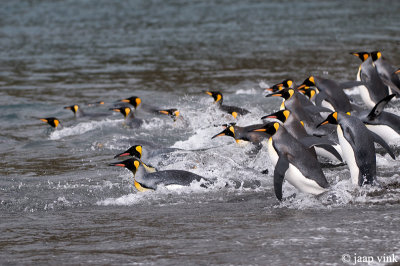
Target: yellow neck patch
[(56, 122), (127, 111), (286, 113), (76, 107), (365, 56), (139, 187), (231, 129), (219, 97), (334, 115), (348, 113), (234, 114), (139, 150), (311, 79), (289, 83), (138, 101), (276, 126)]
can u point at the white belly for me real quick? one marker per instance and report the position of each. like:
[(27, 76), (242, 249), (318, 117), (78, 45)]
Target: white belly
[(348, 156), (385, 132), (294, 176), (327, 105), (326, 154), (364, 93)]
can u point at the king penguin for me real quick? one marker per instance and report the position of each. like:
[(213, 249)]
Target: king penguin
[(78, 112), (373, 89), (130, 119), (357, 144), (166, 178), (385, 124), (387, 72), (316, 145), (233, 110), (52, 121), (292, 162)]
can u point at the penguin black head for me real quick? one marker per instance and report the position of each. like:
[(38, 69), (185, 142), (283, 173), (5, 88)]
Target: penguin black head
[(270, 128), (375, 55), (228, 131), (362, 55), (331, 119), (134, 151), (307, 82), (216, 95), (173, 113), (123, 110), (281, 115), (52, 121), (287, 83), (309, 92), (131, 164), (285, 93), (74, 108), (134, 101)]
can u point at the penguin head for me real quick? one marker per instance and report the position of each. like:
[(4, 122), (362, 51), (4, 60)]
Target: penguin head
[(309, 92), (397, 71), (134, 101), (281, 115), (287, 83), (173, 113), (123, 110), (308, 82), (285, 93), (375, 55), (228, 131), (131, 164), (134, 151), (362, 55), (331, 119), (269, 129), (52, 121), (216, 95), (74, 108)]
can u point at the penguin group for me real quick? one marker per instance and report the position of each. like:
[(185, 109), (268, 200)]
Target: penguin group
[(315, 120)]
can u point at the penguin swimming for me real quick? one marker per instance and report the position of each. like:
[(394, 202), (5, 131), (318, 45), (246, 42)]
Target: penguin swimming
[(136, 102), (173, 113), (243, 134), (78, 112), (136, 151), (287, 83), (386, 72), (293, 162), (373, 88), (358, 148), (385, 124), (130, 119), (151, 181), (52, 121), (233, 110)]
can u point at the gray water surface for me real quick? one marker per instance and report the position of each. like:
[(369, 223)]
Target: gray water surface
[(61, 203)]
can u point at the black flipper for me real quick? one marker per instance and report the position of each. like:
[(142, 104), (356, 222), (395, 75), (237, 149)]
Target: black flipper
[(383, 143), (331, 150), (311, 141), (319, 98), (350, 84), (378, 108), (279, 174)]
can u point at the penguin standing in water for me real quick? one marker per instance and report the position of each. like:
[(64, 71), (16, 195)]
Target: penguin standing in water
[(373, 89), (52, 121), (358, 148), (233, 110), (384, 124), (130, 119), (293, 162), (316, 145), (151, 181), (386, 72)]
